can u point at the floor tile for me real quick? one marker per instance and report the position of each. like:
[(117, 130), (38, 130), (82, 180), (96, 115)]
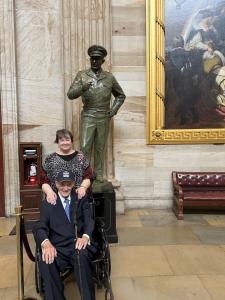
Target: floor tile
[(215, 286), (195, 259), (8, 245), (210, 235), (137, 212), (222, 247), (2, 293), (9, 263), (170, 288), (139, 261), (167, 216), (128, 221), (215, 220), (157, 236), (158, 220), (193, 219), (6, 225), (123, 289), (12, 293)]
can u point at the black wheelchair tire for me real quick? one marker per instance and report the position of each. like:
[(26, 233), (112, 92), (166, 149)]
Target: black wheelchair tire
[(109, 294), (107, 256)]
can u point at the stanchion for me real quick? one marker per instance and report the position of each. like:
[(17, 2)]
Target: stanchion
[(19, 246)]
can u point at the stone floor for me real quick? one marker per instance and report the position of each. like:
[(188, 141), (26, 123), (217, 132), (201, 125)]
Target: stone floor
[(157, 258)]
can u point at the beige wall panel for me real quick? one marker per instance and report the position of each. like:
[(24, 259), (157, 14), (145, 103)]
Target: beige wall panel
[(128, 3), (130, 121), (129, 60), (133, 105), (130, 126), (131, 45), (133, 83), (130, 152), (38, 4), (130, 75), (41, 102), (39, 71), (44, 134), (38, 44), (128, 21), (128, 50)]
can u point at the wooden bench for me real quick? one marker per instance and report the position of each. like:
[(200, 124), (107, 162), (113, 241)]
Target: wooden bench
[(198, 190)]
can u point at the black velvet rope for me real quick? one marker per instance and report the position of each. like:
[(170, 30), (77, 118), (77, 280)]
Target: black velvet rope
[(25, 242)]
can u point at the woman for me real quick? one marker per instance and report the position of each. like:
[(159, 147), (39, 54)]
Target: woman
[(212, 58), (65, 158)]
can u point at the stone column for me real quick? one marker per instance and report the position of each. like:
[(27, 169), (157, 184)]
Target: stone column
[(8, 92)]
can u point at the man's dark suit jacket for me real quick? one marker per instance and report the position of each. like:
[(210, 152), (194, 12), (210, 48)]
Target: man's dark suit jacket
[(55, 226)]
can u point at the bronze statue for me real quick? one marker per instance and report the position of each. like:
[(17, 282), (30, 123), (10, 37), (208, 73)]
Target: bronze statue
[(95, 86)]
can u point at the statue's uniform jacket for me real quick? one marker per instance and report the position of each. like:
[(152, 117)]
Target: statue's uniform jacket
[(96, 109), (97, 97)]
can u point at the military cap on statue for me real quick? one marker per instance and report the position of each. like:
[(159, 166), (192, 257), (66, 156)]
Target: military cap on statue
[(97, 50)]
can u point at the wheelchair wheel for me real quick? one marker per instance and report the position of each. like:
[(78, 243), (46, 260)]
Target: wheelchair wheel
[(109, 294), (106, 269), (108, 261)]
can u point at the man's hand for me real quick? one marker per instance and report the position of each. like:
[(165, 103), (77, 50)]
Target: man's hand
[(81, 191), (51, 197), (81, 243), (48, 252)]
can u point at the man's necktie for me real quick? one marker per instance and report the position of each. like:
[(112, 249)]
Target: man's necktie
[(67, 208)]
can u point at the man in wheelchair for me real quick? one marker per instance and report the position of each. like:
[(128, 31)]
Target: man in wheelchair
[(62, 245)]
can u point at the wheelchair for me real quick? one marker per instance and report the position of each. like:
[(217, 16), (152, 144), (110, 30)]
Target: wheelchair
[(101, 263)]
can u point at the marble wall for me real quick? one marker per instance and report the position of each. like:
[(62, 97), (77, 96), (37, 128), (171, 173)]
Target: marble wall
[(145, 171), (36, 72), (39, 70)]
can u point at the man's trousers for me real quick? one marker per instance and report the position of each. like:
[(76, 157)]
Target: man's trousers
[(81, 263)]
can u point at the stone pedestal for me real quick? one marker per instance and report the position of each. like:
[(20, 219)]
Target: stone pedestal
[(105, 208), (120, 204)]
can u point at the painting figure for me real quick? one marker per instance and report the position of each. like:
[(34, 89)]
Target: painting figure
[(195, 60)]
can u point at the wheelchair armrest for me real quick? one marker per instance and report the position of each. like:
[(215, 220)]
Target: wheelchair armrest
[(100, 222)]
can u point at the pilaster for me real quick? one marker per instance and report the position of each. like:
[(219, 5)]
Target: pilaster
[(8, 91)]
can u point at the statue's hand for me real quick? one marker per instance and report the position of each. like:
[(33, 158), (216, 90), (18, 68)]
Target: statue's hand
[(86, 85), (111, 113)]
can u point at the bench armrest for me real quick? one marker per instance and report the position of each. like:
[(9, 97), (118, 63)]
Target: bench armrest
[(178, 191)]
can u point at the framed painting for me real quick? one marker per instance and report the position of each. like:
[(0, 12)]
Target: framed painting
[(185, 62)]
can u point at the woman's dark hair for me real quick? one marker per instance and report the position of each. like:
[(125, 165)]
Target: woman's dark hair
[(63, 133), (211, 45)]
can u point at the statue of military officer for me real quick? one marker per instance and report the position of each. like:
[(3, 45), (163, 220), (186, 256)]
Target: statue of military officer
[(95, 86)]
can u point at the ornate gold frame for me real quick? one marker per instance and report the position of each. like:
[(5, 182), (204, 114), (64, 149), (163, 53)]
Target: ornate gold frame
[(155, 77)]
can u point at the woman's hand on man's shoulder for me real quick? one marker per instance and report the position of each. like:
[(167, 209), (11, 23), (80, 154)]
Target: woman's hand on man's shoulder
[(51, 197)]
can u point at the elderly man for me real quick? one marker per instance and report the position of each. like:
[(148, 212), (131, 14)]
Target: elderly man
[(96, 86), (62, 245)]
